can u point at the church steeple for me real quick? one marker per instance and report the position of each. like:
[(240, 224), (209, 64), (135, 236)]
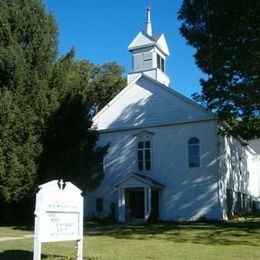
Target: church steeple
[(149, 54), (148, 22)]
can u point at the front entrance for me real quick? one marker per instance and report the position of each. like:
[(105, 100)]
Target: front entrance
[(135, 203), (138, 198)]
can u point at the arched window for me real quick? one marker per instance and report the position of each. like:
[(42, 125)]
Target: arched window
[(194, 152)]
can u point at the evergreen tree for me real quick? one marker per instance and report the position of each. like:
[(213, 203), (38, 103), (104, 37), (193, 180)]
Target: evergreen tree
[(226, 37), (27, 52), (46, 105)]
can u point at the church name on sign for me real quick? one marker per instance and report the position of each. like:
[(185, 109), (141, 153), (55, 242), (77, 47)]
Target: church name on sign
[(61, 205), (62, 223)]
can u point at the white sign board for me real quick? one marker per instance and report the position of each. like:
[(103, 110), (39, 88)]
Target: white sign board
[(62, 226), (58, 215)]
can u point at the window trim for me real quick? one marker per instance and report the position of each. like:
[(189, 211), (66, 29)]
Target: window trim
[(144, 136), (143, 150), (197, 156)]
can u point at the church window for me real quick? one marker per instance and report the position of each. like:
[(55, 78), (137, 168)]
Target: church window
[(194, 152), (144, 155), (160, 63)]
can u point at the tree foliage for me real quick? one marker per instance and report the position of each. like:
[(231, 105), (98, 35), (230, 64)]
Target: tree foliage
[(107, 82), (69, 142), (226, 37), (45, 105), (27, 51)]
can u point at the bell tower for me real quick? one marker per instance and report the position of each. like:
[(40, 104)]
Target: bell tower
[(149, 54)]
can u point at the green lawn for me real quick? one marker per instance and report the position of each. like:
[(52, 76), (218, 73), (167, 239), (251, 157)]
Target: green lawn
[(160, 241), (15, 231)]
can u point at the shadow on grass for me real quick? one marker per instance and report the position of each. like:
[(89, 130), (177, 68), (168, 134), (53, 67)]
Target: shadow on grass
[(197, 233), (23, 228), (16, 255), (28, 255), (25, 255), (19, 228)]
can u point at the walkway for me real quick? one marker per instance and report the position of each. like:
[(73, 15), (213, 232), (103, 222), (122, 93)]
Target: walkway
[(16, 238)]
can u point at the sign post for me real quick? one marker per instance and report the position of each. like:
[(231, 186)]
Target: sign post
[(58, 216)]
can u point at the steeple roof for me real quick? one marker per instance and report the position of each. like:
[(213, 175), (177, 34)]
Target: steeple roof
[(145, 39), (141, 40), (162, 44)]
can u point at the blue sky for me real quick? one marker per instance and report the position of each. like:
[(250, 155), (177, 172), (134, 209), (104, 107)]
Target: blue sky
[(101, 30)]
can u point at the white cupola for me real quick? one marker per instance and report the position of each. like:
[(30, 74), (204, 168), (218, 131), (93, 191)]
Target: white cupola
[(149, 54)]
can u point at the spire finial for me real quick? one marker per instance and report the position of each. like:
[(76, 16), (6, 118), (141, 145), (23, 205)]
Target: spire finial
[(148, 22)]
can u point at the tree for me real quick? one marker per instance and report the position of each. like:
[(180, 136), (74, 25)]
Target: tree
[(108, 81), (69, 143), (69, 146), (226, 37), (98, 84), (27, 52), (45, 105)]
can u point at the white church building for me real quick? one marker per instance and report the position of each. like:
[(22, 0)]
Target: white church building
[(166, 159)]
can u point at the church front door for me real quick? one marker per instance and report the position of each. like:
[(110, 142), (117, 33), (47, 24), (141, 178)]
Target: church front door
[(135, 203)]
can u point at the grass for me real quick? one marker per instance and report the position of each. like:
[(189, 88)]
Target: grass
[(15, 231), (234, 240)]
